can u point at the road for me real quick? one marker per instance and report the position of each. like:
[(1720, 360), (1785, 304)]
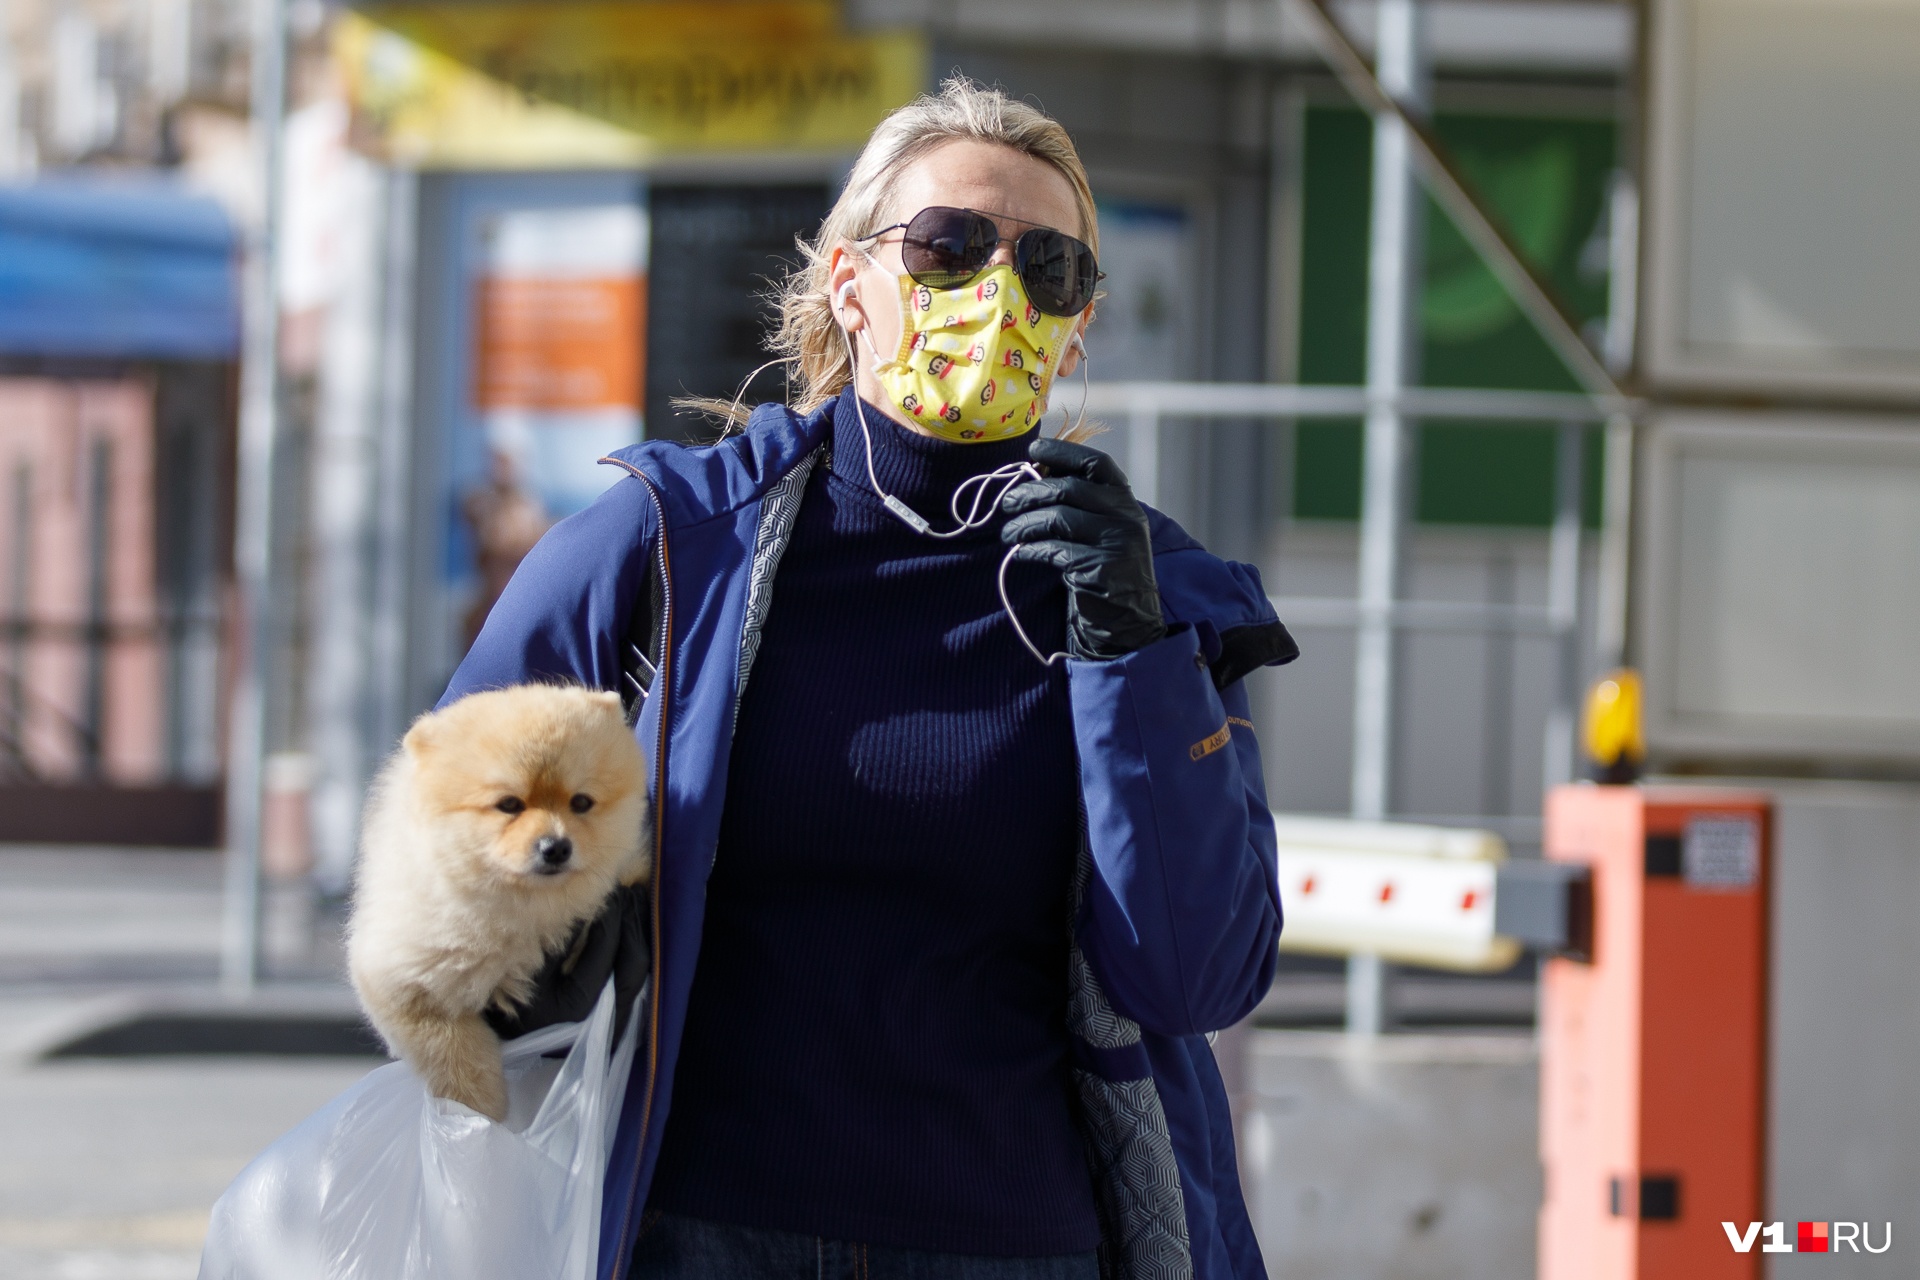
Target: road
[(108, 1166)]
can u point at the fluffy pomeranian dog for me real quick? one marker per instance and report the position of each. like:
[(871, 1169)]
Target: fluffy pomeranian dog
[(501, 823)]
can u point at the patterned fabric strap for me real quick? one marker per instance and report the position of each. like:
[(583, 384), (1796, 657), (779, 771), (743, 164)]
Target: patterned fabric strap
[(778, 511)]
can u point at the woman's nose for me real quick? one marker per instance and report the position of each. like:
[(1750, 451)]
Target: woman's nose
[(1002, 254)]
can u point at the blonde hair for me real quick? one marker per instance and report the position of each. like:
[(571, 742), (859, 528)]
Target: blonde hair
[(809, 339)]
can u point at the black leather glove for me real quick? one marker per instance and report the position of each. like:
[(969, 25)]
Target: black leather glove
[(573, 977), (1083, 520)]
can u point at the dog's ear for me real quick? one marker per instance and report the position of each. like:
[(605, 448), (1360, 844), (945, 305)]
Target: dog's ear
[(420, 739), (610, 700)]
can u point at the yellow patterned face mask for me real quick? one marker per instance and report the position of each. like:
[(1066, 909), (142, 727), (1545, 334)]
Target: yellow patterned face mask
[(975, 363)]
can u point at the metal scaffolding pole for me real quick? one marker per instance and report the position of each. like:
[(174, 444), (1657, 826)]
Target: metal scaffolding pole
[(253, 520), (1563, 604), (1393, 356), (1530, 291), (1393, 93), (1623, 307)]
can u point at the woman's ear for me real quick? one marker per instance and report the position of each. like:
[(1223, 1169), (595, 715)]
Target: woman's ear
[(1076, 344), (843, 291)]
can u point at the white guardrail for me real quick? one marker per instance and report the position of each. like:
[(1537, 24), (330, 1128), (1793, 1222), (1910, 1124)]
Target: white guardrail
[(1442, 897)]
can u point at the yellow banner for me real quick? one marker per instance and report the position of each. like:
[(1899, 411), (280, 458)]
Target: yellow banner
[(583, 85)]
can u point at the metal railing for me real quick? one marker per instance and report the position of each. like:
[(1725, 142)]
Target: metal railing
[(1144, 407), (60, 733)]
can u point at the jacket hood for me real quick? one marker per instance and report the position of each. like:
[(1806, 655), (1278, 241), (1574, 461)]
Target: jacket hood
[(700, 481)]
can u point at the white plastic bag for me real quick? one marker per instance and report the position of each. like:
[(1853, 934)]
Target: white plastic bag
[(387, 1182)]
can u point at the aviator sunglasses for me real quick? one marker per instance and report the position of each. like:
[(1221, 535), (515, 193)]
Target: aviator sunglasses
[(945, 248)]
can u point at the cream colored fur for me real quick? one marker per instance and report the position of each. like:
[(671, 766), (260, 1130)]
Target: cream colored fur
[(453, 910)]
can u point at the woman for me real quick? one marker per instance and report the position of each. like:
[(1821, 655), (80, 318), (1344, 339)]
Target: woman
[(961, 844)]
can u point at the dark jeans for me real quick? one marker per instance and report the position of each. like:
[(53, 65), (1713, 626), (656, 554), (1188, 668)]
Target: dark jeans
[(676, 1248)]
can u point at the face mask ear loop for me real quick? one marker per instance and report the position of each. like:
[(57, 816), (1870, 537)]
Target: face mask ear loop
[(1006, 603)]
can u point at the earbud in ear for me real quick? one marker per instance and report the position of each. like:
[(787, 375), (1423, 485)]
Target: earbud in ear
[(845, 292), (1075, 344)]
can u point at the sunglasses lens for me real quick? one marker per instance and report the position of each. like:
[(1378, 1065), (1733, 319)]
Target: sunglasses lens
[(1058, 270), (944, 248), (947, 247)]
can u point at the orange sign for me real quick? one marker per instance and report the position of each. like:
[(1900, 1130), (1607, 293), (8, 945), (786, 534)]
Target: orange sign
[(560, 344)]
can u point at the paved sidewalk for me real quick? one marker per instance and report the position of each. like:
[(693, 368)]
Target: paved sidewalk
[(103, 917), (109, 1165)]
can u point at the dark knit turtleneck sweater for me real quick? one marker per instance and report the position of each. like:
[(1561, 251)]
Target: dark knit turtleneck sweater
[(875, 1048)]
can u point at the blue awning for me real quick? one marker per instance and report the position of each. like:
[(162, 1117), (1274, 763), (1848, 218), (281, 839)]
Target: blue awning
[(117, 268)]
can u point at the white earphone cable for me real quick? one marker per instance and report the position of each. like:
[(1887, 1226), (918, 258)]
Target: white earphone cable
[(977, 493), (1006, 604), (980, 507), (733, 412)]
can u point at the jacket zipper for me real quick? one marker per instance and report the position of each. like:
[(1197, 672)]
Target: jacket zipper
[(663, 687)]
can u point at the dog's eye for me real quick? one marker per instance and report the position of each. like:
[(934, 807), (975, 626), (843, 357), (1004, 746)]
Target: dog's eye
[(581, 803), (511, 804)]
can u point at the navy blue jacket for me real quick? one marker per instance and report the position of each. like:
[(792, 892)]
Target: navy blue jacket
[(1177, 907)]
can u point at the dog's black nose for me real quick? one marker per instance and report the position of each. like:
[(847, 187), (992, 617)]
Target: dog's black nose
[(553, 851)]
